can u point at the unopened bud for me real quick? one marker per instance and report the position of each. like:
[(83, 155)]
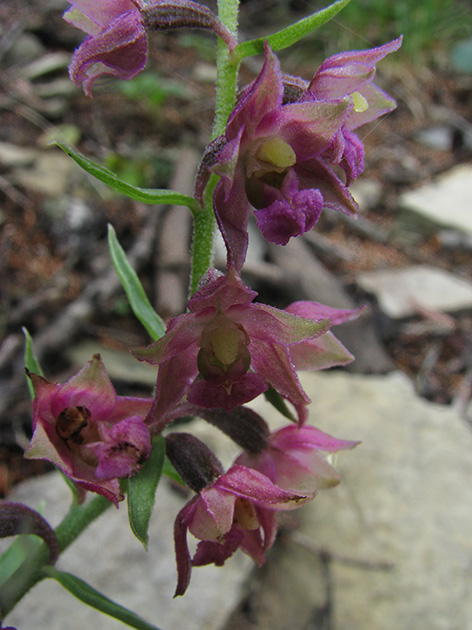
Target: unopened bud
[(243, 425), (170, 14), (193, 460)]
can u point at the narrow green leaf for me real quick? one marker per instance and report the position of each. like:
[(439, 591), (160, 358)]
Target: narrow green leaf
[(142, 491), (31, 361), (169, 471), (275, 399), (90, 596), (145, 195), (290, 35), (134, 289)]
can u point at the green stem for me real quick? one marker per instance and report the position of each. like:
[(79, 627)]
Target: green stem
[(30, 572), (227, 75)]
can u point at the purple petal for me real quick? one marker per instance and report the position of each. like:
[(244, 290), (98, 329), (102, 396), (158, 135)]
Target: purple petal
[(320, 354), (182, 555), (308, 437), (318, 174), (232, 213), (220, 293), (173, 381), (307, 127), (379, 103), (347, 72), (283, 220), (317, 311), (89, 388), (217, 553), (120, 50), (268, 324), (213, 514), (214, 396), (84, 12), (253, 485), (125, 448), (262, 95)]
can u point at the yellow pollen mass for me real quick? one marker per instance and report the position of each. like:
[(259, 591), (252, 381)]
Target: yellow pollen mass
[(360, 103), (226, 345), (277, 152)]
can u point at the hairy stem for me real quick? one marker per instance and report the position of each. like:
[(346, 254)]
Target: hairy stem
[(205, 223)]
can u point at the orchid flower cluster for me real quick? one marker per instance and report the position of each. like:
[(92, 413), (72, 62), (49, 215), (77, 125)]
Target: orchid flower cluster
[(284, 149)]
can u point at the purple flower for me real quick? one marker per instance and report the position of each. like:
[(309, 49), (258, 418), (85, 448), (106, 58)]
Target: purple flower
[(350, 75), (270, 159), (90, 433), (237, 510), (226, 350), (295, 459), (117, 43)]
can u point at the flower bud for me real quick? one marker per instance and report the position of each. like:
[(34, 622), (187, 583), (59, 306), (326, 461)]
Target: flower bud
[(194, 461), (243, 425), (170, 14)]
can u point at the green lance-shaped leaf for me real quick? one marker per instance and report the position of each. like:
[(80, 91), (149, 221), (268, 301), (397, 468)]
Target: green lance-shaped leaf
[(145, 195), (90, 596), (169, 471), (134, 289), (290, 35), (31, 361), (142, 491), (275, 399)]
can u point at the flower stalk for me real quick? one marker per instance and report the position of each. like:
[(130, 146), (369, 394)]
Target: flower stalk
[(204, 230)]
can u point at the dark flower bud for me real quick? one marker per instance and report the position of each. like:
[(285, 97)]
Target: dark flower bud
[(170, 14), (243, 425), (193, 460)]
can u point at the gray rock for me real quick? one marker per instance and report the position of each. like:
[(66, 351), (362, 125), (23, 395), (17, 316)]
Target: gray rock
[(12, 155), (445, 202), (49, 175), (439, 137), (390, 547), (404, 502), (404, 292), (367, 193)]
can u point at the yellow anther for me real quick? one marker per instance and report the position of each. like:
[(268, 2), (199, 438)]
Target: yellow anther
[(360, 103), (277, 152)]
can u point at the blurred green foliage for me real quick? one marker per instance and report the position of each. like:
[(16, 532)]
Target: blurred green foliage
[(428, 26), (152, 90)]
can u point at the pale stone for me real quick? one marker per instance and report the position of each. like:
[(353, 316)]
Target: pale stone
[(367, 193), (404, 501), (404, 292), (49, 175), (14, 155), (447, 201), (390, 547)]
